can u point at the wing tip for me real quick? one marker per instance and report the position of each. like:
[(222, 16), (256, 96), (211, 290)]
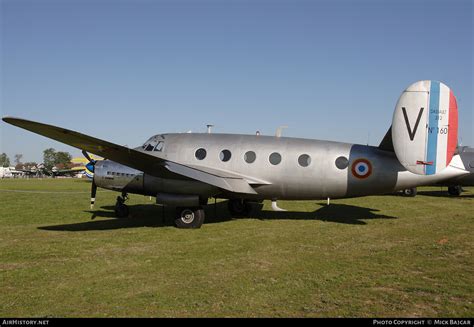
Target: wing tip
[(10, 119)]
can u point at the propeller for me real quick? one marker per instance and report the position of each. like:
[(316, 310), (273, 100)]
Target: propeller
[(93, 192), (90, 166)]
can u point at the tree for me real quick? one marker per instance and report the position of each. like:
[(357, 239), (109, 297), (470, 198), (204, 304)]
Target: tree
[(18, 158), (63, 159), (4, 160), (49, 156)]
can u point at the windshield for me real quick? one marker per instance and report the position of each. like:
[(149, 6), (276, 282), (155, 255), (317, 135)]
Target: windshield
[(155, 143)]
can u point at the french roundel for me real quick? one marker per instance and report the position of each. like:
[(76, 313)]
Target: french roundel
[(361, 168)]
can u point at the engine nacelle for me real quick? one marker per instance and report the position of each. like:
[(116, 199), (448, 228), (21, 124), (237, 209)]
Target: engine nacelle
[(177, 200), (172, 192), (114, 176)]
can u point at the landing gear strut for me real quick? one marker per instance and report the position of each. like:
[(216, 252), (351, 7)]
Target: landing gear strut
[(121, 209), (239, 207), (455, 190), (189, 217)]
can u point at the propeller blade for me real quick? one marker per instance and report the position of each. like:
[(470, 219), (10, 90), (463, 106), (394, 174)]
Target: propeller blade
[(90, 165), (93, 193), (85, 154)]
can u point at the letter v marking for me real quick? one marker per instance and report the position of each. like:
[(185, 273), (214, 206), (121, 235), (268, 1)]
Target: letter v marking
[(410, 132)]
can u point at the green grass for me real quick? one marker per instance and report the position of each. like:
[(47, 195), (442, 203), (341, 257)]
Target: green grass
[(372, 256)]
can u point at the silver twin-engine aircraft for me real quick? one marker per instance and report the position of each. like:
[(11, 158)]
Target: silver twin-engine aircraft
[(185, 170)]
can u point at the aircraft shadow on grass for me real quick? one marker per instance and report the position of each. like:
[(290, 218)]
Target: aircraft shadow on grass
[(444, 194), (155, 216)]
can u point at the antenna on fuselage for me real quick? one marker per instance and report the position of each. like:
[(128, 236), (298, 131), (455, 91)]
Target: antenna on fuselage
[(280, 130), (209, 128)]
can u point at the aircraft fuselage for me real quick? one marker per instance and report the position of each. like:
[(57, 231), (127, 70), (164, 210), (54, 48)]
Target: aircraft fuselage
[(287, 168)]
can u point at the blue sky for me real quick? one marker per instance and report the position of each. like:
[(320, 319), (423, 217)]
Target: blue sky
[(124, 70)]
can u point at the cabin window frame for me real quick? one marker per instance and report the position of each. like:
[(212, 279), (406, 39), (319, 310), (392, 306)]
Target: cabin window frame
[(304, 160), (277, 156), (225, 155), (253, 154), (196, 154)]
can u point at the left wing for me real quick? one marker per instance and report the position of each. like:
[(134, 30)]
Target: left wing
[(147, 163)]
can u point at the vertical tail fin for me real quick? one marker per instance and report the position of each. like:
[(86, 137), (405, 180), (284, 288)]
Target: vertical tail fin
[(425, 127)]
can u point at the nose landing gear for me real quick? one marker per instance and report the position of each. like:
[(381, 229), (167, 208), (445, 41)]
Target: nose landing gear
[(121, 209)]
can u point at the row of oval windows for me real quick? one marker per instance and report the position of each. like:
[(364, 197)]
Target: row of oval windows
[(275, 158)]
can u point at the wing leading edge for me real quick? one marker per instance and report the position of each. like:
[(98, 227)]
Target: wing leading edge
[(149, 164)]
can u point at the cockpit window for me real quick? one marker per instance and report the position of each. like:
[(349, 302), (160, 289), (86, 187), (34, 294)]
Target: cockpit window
[(155, 143), (145, 145), (159, 146)]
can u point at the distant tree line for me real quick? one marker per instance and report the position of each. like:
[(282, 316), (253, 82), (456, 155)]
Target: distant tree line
[(51, 158)]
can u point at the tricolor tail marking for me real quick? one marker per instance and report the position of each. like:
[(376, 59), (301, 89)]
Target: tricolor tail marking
[(432, 145), (452, 127), (442, 128)]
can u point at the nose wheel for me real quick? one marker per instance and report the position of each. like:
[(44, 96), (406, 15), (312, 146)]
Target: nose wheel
[(121, 209)]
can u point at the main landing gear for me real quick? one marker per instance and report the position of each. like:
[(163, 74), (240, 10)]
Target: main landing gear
[(455, 190), (189, 217), (411, 192), (121, 209), (239, 207)]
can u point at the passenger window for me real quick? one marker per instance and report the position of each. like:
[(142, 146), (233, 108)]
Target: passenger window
[(250, 157), (159, 146), (200, 154), (304, 160), (275, 158), (342, 162), (225, 155)]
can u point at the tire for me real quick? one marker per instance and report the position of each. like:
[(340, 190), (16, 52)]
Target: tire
[(189, 217), (455, 190), (411, 192), (121, 210)]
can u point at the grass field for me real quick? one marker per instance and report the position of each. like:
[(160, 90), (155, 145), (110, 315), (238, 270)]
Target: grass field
[(373, 256)]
